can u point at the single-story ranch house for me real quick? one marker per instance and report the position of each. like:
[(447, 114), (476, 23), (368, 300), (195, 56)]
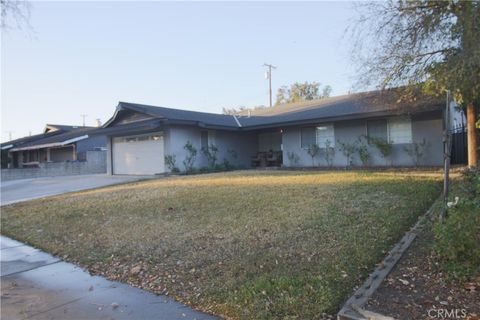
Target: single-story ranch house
[(140, 136), (57, 143)]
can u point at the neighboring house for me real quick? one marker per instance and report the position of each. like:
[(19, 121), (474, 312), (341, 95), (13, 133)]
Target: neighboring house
[(58, 143), (140, 135)]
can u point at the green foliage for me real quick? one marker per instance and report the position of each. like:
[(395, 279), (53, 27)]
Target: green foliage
[(329, 153), (431, 44), (313, 151), (384, 147), (416, 151), (293, 158), (210, 154), (171, 162), (457, 238), (298, 92), (348, 150), (362, 149), (190, 157)]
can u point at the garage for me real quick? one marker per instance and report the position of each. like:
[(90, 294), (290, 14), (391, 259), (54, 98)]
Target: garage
[(138, 155)]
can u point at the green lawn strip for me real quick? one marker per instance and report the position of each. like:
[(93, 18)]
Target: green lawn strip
[(242, 244)]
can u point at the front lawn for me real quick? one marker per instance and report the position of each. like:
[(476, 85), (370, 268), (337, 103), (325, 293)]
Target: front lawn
[(247, 244)]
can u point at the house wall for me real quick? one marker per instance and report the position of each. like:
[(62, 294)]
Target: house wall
[(428, 127), (91, 143), (61, 154), (245, 144)]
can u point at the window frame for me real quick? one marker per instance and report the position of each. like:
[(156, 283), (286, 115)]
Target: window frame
[(315, 132)]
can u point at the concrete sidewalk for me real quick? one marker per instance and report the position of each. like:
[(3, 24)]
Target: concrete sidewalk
[(36, 285)]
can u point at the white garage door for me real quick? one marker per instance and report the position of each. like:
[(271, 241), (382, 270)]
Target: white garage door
[(138, 155)]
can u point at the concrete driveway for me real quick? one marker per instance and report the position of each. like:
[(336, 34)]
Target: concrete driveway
[(28, 189)]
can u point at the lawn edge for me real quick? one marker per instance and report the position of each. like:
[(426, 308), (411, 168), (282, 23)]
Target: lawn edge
[(353, 309)]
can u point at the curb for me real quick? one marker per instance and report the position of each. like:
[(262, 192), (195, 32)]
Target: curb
[(353, 307)]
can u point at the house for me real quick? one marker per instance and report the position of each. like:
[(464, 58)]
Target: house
[(140, 136), (57, 143)]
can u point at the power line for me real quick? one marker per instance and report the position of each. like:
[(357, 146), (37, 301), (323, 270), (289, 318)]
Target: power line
[(269, 77)]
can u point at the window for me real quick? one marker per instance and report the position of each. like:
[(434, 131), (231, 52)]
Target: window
[(307, 137), (318, 135), (400, 130), (377, 129), (325, 133)]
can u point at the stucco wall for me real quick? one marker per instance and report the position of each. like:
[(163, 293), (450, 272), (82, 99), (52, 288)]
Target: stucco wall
[(429, 128), (245, 145)]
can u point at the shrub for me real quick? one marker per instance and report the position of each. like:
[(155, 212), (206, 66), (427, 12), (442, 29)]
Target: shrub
[(329, 153), (384, 147), (190, 157), (416, 151), (457, 238), (293, 158), (348, 149), (232, 153), (313, 150), (363, 153), (171, 162), (210, 154)]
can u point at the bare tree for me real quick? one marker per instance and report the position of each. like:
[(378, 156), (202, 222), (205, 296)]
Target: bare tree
[(15, 14)]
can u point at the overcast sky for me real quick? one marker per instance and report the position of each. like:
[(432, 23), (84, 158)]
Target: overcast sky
[(84, 57)]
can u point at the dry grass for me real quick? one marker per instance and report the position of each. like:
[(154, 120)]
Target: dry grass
[(243, 244)]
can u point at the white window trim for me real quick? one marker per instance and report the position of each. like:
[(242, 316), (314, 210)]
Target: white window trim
[(330, 124)]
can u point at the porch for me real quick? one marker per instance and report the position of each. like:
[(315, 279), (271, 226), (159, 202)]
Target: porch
[(269, 152)]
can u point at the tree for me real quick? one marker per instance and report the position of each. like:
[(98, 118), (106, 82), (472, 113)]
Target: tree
[(15, 14), (298, 92), (430, 45)]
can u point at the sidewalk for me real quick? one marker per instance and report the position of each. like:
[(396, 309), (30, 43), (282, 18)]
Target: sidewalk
[(36, 285)]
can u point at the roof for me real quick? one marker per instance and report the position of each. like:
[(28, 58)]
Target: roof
[(52, 140), (61, 127), (352, 106)]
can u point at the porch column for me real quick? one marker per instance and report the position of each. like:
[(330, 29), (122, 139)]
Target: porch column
[(48, 155)]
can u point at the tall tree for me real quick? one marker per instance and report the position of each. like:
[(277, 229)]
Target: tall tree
[(429, 44), (301, 92)]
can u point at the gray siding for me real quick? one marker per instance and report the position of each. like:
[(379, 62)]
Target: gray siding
[(91, 143), (349, 131), (245, 145)]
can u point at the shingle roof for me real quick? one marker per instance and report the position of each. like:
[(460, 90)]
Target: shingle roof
[(200, 118), (56, 137), (359, 105)]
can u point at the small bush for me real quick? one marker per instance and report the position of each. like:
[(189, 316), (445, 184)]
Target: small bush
[(363, 153), (348, 150), (171, 162), (210, 154), (457, 238), (190, 158), (313, 151), (293, 158), (384, 147), (416, 151), (329, 153)]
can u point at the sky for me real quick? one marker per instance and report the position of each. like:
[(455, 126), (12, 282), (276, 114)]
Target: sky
[(85, 57)]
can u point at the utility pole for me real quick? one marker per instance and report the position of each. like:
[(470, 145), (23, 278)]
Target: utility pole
[(84, 116), (9, 135), (269, 77)]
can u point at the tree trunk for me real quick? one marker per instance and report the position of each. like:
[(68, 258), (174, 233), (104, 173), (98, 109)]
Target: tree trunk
[(472, 136)]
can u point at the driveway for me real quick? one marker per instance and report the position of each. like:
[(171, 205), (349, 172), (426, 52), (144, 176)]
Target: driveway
[(28, 189)]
